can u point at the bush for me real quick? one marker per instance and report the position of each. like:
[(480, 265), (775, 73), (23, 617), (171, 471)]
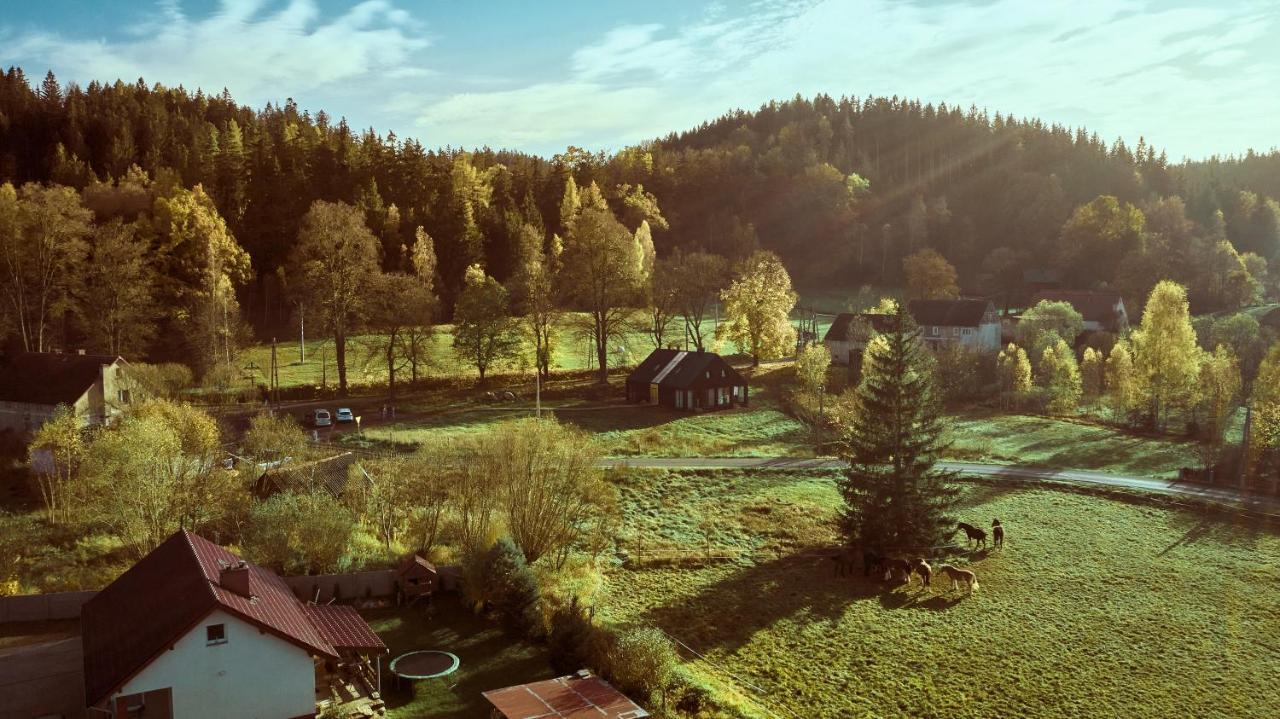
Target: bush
[(643, 662), (573, 640), (499, 580), (293, 532)]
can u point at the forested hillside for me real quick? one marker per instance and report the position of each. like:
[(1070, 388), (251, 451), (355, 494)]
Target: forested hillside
[(842, 189)]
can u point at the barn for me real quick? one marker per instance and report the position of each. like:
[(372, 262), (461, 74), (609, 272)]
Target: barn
[(692, 381)]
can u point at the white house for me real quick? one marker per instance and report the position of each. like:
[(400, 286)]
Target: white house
[(33, 384), (193, 631), (970, 323)]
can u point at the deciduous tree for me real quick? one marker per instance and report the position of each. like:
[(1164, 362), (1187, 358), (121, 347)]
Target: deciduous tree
[(1060, 376), (484, 334), (928, 276), (601, 275), (1219, 390), (757, 306), (1166, 360)]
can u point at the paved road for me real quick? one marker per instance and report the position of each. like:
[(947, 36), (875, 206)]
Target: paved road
[(1162, 486)]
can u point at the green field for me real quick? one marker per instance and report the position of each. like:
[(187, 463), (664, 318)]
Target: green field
[(488, 659), (1096, 607)]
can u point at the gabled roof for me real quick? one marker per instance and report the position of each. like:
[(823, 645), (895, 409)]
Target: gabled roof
[(343, 627), (158, 600), (417, 565), (50, 378), (331, 473), (839, 329), (949, 313), (577, 696), (1093, 306), (679, 370)]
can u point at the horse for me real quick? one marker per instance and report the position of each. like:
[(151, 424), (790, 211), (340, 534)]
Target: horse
[(997, 534), (977, 536), (844, 561), (896, 565), (922, 568), (960, 575), (872, 561)]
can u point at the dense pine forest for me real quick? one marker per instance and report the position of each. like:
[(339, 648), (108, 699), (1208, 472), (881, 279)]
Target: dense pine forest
[(841, 189)]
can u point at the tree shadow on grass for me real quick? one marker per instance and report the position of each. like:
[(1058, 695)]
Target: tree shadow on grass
[(727, 613), (1223, 528)]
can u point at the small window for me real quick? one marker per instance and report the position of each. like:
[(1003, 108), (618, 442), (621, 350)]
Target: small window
[(215, 634), (933, 331), (123, 396), (708, 374), (955, 331)]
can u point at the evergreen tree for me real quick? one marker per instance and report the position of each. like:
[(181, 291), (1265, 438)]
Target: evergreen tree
[(895, 499)]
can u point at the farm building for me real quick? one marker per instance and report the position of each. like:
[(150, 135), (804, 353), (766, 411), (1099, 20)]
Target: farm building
[(970, 323), (33, 384), (686, 380), (191, 630), (577, 695), (1102, 311)]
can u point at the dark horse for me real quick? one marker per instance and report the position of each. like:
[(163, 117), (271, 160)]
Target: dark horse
[(844, 558), (997, 534), (897, 565), (976, 536)]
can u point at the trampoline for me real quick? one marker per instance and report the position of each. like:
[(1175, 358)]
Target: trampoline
[(424, 664)]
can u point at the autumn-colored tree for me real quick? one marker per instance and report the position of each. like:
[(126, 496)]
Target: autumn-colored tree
[(698, 278), (115, 300), (57, 453), (1047, 316), (1264, 447), (1014, 371), (1060, 376), (1099, 234), (484, 333), (535, 299), (757, 307), (1092, 373), (1121, 380), (396, 303), (1219, 390), (1166, 359), (42, 251), (333, 261), (601, 274), (928, 276)]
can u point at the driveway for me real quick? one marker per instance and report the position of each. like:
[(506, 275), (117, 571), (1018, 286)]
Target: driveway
[(40, 680)]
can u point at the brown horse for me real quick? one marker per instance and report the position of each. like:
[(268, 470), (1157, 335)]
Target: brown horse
[(975, 535), (922, 568), (997, 534), (960, 575), (896, 565)]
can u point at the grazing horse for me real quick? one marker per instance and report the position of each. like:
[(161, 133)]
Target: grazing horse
[(997, 534), (922, 568), (896, 565), (976, 536), (872, 561), (844, 561), (960, 575)]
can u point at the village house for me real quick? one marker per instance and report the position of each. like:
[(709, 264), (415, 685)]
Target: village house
[(191, 630), (328, 473), (970, 323), (578, 695), (1101, 311), (33, 384), (690, 381)]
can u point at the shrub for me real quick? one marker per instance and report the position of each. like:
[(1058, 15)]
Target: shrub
[(643, 662), (500, 580), (300, 532)]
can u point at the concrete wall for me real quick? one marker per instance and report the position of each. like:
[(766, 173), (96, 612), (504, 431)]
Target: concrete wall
[(42, 607), (253, 674), (357, 585)]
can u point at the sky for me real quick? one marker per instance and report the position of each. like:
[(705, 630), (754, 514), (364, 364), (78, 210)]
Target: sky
[(1195, 77)]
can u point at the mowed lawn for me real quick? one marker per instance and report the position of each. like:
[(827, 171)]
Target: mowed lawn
[(1096, 607), (487, 659)]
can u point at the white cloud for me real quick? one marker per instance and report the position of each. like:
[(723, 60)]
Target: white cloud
[(259, 51), (1186, 77)]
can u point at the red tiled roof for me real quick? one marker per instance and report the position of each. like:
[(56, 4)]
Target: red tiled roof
[(571, 697), (165, 594), (343, 627)]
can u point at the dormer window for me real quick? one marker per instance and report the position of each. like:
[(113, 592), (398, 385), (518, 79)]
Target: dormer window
[(215, 634)]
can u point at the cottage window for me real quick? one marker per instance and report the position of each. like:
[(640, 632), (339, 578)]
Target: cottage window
[(679, 400), (215, 634), (708, 374), (123, 396), (933, 330), (955, 331)]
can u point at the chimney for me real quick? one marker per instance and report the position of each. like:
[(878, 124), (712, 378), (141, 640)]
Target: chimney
[(235, 578)]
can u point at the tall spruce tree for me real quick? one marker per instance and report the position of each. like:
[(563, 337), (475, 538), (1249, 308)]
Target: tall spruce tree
[(895, 499)]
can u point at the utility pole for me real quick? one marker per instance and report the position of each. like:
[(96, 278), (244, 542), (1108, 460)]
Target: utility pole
[(302, 333), (1244, 444), (274, 394), (537, 392)]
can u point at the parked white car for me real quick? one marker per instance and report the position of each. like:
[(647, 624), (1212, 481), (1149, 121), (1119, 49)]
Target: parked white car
[(321, 418), (345, 415)]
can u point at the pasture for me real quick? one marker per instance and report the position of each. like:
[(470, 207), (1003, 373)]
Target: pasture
[(1096, 607)]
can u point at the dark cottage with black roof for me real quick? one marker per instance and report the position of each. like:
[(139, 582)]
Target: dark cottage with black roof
[(686, 380)]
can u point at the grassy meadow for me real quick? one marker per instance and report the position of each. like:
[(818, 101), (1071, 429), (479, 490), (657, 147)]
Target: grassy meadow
[(1096, 607)]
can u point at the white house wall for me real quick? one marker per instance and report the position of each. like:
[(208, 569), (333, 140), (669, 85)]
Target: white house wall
[(253, 675)]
